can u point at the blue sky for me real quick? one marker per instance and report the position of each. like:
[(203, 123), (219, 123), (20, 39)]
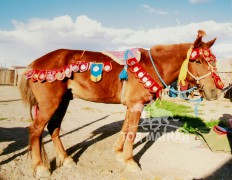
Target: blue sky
[(33, 28), (119, 13)]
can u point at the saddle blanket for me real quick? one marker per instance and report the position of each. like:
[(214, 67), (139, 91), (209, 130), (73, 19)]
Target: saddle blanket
[(119, 56)]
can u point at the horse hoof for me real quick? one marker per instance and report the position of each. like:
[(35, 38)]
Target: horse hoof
[(42, 172), (119, 157), (68, 162), (133, 166)]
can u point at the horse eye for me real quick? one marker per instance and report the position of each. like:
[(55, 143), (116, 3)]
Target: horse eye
[(198, 61)]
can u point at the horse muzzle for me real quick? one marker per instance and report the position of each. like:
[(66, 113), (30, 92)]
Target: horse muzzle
[(212, 94)]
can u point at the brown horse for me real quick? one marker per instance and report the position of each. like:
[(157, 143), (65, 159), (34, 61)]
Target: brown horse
[(52, 98)]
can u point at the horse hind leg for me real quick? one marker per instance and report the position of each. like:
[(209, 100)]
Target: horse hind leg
[(46, 112), (41, 169), (54, 130)]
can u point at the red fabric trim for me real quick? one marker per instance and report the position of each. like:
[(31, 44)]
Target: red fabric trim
[(60, 75), (35, 76), (144, 77), (51, 76), (42, 75), (68, 71), (211, 59), (107, 66), (29, 74), (195, 54), (74, 67), (83, 66)]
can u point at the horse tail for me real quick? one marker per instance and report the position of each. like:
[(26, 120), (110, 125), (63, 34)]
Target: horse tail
[(27, 94)]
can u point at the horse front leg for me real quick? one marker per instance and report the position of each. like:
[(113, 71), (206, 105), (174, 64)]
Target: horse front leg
[(133, 121), (123, 147), (119, 144)]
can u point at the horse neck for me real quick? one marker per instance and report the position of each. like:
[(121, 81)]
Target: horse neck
[(168, 60)]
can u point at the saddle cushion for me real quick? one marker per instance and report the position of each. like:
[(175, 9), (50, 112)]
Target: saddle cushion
[(118, 56)]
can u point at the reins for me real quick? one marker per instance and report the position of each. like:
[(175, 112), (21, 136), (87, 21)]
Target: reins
[(175, 91)]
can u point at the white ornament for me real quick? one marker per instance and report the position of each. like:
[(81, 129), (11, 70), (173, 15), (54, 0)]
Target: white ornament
[(96, 69)]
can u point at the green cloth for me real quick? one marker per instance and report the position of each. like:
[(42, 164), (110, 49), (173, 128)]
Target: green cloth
[(215, 141)]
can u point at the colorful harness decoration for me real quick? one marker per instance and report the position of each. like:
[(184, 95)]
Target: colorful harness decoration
[(96, 70), (127, 58), (144, 78), (211, 60)]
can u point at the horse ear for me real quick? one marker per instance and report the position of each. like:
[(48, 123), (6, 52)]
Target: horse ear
[(201, 33), (210, 43), (198, 42)]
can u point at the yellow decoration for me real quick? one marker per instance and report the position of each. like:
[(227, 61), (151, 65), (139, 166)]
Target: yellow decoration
[(96, 79), (184, 68)]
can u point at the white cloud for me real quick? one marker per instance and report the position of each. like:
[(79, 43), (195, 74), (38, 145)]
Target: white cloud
[(36, 37), (153, 10), (199, 1)]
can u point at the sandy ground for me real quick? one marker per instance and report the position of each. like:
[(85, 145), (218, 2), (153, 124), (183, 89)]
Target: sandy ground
[(88, 133)]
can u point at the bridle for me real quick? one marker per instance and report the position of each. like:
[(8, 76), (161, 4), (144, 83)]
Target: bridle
[(190, 54), (210, 58), (198, 78)]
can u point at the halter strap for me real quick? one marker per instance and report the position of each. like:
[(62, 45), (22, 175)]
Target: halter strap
[(199, 78)]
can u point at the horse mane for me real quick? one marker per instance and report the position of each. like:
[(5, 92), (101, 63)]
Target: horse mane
[(159, 51), (168, 47)]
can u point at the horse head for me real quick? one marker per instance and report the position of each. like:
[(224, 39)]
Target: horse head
[(199, 69)]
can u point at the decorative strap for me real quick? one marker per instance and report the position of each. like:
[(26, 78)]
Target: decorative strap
[(52, 75), (198, 78), (144, 78)]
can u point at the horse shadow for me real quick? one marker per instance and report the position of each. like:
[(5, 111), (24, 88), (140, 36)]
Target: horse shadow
[(147, 125), (77, 150), (97, 135), (155, 128), (18, 138)]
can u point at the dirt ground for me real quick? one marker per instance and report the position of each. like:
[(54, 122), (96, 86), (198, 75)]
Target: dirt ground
[(88, 133)]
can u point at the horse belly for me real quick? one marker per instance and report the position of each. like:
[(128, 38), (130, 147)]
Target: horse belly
[(108, 90)]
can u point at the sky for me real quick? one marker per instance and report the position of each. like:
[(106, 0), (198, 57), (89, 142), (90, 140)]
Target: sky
[(29, 28)]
